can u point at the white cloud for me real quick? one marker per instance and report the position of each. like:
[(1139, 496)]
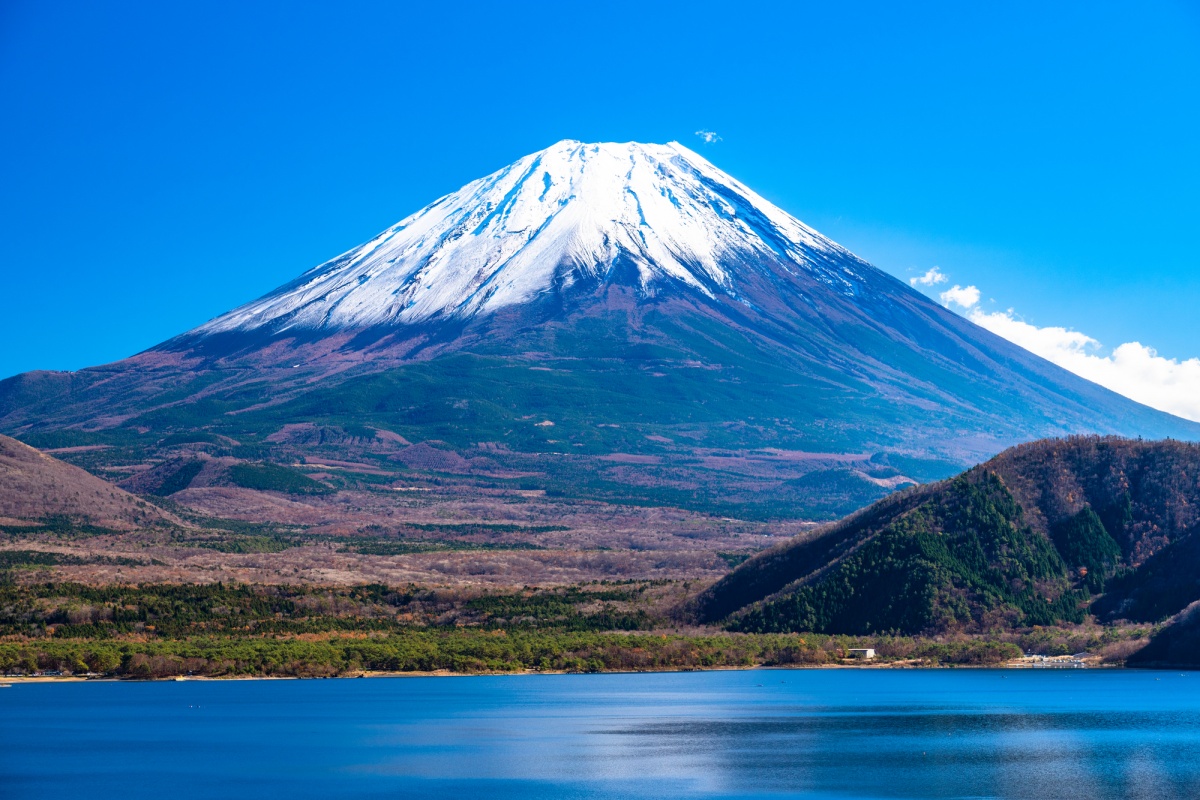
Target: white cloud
[(1131, 369), (957, 295), (709, 137), (931, 278)]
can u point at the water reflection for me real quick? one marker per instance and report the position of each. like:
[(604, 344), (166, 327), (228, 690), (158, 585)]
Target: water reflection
[(915, 751), (829, 733)]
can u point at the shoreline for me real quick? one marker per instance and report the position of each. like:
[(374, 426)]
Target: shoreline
[(35, 679)]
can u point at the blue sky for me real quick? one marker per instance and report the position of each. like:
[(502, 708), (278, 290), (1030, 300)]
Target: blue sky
[(164, 162)]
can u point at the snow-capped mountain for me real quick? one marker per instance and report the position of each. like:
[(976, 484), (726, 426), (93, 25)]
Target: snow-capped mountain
[(566, 215), (634, 297)]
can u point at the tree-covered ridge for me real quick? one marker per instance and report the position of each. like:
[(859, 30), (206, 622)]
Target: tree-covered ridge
[(1087, 548), (809, 554), (1029, 538), (276, 478), (959, 560), (1147, 493)]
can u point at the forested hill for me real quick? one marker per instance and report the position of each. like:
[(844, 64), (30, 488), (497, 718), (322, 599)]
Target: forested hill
[(1044, 533)]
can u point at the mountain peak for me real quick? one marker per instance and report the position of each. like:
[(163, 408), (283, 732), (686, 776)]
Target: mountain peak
[(639, 300), (570, 214)]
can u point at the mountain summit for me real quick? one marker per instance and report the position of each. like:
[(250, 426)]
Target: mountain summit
[(620, 321), (574, 214)]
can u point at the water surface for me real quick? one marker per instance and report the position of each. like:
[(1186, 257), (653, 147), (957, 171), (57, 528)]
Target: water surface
[(760, 733)]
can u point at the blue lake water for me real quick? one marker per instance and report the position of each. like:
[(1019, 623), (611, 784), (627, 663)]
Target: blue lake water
[(760, 733)]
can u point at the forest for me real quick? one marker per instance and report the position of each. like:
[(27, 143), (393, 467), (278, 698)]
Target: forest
[(237, 630), (1051, 533)]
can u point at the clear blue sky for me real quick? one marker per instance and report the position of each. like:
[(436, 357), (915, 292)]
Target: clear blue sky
[(164, 162)]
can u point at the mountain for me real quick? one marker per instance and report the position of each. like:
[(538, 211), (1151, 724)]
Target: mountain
[(1044, 533), (572, 217), (612, 321), (1176, 645), (38, 491)]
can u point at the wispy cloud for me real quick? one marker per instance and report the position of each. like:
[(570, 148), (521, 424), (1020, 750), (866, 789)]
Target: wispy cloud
[(931, 278), (1131, 369), (709, 137)]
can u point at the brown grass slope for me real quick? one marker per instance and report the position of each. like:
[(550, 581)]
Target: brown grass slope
[(35, 487)]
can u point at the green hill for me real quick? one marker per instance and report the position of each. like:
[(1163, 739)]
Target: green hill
[(1044, 533)]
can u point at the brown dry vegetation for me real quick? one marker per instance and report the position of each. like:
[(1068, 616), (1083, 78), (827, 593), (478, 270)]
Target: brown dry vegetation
[(325, 564), (34, 485), (466, 532)]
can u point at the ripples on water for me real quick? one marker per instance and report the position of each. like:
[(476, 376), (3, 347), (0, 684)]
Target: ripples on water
[(768, 733)]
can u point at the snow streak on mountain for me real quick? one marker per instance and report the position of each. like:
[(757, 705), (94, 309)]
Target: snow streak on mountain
[(569, 213)]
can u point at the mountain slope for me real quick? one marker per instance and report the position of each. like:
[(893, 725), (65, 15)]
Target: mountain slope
[(571, 214), (1176, 645), (598, 301), (1037, 535), (37, 488)]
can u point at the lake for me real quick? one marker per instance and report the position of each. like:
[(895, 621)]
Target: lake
[(758, 733)]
